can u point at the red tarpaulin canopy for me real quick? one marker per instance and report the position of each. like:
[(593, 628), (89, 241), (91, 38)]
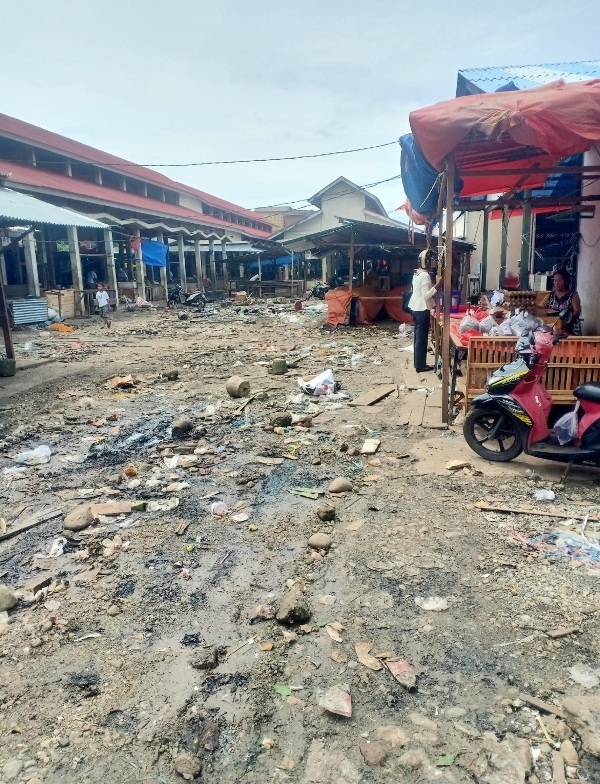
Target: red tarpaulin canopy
[(507, 130)]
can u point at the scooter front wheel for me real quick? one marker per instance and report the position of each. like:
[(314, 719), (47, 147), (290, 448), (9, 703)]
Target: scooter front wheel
[(492, 434)]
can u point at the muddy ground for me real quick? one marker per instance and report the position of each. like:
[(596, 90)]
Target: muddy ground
[(137, 655)]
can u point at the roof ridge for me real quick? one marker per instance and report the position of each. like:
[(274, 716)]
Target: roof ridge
[(528, 65)]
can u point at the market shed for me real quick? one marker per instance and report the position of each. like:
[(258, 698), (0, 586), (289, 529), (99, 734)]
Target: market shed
[(494, 143), (25, 214)]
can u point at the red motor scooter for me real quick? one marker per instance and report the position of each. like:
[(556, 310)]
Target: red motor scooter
[(513, 416)]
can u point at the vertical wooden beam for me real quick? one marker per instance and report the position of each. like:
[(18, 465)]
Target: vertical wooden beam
[(213, 262), (484, 249), (33, 282), (351, 262), (141, 272), (76, 271), (198, 262), (525, 243), (109, 253), (181, 258), (503, 247), (446, 401)]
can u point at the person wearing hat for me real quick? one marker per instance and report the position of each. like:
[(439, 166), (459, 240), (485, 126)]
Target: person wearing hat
[(420, 304)]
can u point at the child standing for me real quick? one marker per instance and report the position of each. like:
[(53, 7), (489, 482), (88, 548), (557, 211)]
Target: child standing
[(102, 300)]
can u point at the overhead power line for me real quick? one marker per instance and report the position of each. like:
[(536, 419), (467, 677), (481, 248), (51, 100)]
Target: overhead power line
[(127, 164)]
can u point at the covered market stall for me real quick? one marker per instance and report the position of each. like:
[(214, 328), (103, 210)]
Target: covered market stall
[(506, 143), (374, 265), (20, 216)]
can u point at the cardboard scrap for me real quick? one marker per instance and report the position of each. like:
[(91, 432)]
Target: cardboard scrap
[(404, 673), (363, 654)]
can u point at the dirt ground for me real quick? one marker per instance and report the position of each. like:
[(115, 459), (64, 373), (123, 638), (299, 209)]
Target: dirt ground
[(145, 648)]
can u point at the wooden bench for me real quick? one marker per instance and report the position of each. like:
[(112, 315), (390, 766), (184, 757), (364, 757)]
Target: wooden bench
[(575, 361)]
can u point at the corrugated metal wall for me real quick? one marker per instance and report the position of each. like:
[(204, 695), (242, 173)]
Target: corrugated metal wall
[(28, 311)]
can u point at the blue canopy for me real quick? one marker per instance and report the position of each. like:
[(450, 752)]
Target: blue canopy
[(154, 254)]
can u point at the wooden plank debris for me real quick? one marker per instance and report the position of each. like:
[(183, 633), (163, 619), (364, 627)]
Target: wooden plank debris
[(38, 519), (482, 506), (541, 705), (374, 395)]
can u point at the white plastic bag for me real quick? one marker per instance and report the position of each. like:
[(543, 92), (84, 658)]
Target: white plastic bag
[(469, 322), (566, 428), (487, 324), (323, 384), (38, 456)]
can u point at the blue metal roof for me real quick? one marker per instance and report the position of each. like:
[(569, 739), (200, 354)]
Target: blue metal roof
[(488, 80)]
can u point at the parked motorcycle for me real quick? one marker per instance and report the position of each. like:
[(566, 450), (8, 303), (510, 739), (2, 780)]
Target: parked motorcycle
[(319, 290), (514, 415), (195, 300)]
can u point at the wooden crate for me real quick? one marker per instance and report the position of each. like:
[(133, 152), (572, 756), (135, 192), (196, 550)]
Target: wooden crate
[(575, 361)]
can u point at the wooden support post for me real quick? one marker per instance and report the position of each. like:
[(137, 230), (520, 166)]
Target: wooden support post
[(109, 252), (139, 264), (525, 243), (181, 259), (484, 249), (198, 262), (446, 401), (503, 247), (76, 271), (465, 276), (33, 282), (213, 263), (351, 262), (224, 265)]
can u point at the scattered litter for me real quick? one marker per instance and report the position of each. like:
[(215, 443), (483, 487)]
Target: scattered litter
[(306, 492), (432, 603), (270, 461), (544, 495), (121, 382), (162, 505), (241, 517), (404, 673), (38, 456), (176, 487), (446, 760), (218, 509), (457, 465), (363, 654), (370, 446), (561, 544), (89, 636), (323, 384), (57, 547), (337, 700), (584, 676), (282, 689), (237, 386), (333, 629)]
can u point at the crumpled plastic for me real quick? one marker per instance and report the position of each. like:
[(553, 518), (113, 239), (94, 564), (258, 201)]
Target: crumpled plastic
[(323, 384), (38, 456)]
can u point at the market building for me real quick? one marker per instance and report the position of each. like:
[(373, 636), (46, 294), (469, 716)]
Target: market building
[(136, 203)]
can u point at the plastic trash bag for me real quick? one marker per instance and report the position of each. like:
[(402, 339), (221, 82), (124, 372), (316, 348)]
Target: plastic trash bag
[(566, 428), (323, 384), (469, 322), (38, 456), (497, 298), (487, 324)]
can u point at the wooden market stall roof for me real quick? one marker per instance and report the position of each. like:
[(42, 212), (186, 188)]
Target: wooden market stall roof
[(500, 143)]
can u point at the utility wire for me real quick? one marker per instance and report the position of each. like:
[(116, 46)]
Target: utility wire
[(118, 164)]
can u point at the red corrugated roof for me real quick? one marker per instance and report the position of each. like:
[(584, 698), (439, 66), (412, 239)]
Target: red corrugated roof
[(34, 135), (69, 186)]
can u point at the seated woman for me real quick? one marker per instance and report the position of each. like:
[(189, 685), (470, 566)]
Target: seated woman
[(562, 297)]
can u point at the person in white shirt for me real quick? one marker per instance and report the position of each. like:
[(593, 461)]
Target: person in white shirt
[(102, 300), (420, 304)]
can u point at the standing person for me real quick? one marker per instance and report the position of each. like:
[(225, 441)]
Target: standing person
[(91, 279), (563, 297), (102, 300), (420, 304)]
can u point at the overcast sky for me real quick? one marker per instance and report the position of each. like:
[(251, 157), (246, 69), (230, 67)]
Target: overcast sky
[(196, 80)]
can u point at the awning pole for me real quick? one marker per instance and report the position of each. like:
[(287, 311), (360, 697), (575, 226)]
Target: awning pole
[(446, 402), (503, 247), (484, 250), (525, 243)]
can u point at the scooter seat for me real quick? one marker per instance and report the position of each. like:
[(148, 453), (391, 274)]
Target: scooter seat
[(589, 391)]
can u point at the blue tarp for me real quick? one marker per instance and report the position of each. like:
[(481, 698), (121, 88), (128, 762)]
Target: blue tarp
[(282, 261), (418, 177), (154, 254)]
